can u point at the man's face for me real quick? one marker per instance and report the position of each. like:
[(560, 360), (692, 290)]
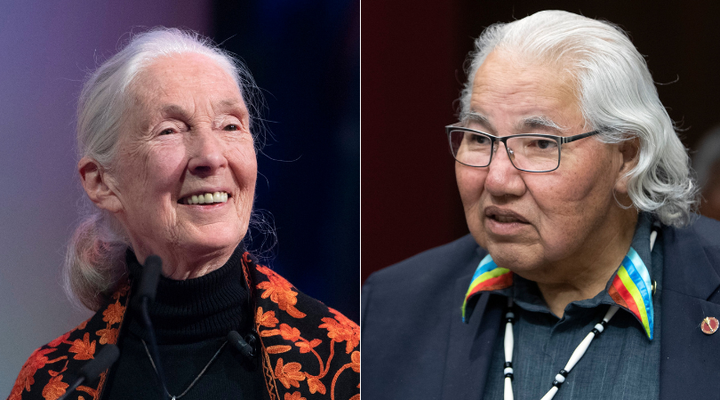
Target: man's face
[(530, 221)]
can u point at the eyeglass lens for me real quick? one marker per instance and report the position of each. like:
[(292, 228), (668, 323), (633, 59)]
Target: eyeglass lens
[(530, 153)]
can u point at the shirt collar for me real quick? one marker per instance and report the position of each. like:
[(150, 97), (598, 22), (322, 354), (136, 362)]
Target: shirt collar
[(630, 287)]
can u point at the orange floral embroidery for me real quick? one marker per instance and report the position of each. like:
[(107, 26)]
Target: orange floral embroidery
[(268, 324), (87, 389), (26, 377), (83, 349), (266, 319), (354, 364), (342, 329), (57, 342), (108, 335), (55, 388), (289, 333), (279, 291), (114, 313), (355, 358), (289, 374), (122, 291), (294, 396), (269, 332), (314, 384), (281, 348), (306, 347)]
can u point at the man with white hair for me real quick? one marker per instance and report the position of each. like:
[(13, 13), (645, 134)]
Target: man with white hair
[(586, 274)]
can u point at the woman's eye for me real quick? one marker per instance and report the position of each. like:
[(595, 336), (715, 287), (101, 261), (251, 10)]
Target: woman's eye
[(232, 127), (167, 131)]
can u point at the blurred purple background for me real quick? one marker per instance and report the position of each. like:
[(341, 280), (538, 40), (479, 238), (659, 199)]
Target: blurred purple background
[(305, 56)]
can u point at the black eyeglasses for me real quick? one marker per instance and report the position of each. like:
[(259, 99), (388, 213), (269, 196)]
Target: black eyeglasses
[(529, 152)]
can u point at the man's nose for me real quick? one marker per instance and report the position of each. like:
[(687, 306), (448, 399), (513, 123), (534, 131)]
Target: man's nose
[(503, 178)]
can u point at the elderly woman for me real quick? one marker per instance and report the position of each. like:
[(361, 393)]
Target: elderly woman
[(586, 274), (167, 141)]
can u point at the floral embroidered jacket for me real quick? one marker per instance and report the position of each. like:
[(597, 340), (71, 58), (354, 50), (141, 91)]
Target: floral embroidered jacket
[(309, 351)]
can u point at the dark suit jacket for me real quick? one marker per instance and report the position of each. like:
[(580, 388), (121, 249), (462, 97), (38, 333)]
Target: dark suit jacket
[(415, 345)]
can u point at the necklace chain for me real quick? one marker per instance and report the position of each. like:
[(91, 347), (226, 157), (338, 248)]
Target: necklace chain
[(174, 397)]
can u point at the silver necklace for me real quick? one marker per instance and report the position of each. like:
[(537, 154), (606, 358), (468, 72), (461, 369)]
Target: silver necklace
[(173, 397)]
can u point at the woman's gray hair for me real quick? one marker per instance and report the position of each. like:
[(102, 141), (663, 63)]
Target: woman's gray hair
[(95, 258), (616, 94)]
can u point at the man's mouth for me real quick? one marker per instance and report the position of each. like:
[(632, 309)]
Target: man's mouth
[(205, 198), (504, 216)]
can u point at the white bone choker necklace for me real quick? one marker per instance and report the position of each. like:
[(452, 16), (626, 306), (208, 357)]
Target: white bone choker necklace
[(580, 350), (574, 358)]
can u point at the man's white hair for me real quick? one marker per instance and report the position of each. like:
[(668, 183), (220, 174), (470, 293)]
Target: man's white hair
[(616, 93)]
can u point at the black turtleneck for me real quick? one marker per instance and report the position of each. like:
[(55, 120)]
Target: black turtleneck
[(191, 319)]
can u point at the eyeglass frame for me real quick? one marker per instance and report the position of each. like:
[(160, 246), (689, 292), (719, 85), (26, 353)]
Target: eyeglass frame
[(503, 139)]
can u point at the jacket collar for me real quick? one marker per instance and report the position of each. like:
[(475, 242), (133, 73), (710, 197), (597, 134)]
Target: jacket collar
[(630, 287)]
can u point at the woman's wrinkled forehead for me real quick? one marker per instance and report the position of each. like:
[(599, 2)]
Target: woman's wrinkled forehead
[(180, 85)]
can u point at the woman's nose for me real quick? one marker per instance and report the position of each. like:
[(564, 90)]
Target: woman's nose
[(206, 153)]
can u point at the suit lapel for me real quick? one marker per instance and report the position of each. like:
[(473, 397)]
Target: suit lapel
[(690, 360), (470, 345)]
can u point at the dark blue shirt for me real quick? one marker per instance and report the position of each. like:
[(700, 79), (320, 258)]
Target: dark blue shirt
[(622, 363)]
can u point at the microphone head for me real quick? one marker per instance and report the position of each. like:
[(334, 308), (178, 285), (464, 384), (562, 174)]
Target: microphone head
[(147, 287), (241, 345), (102, 361)]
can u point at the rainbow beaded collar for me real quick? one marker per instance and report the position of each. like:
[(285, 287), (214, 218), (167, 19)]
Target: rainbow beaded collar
[(631, 287)]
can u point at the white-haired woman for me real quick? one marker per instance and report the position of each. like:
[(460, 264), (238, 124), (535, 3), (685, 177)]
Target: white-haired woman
[(167, 148)]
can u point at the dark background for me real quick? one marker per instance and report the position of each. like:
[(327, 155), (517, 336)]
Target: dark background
[(412, 73), (305, 57)]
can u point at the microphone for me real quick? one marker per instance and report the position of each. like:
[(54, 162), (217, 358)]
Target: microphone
[(146, 290), (246, 346), (102, 361), (147, 286)]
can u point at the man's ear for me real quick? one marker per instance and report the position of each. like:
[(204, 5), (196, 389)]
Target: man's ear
[(98, 185), (630, 151)]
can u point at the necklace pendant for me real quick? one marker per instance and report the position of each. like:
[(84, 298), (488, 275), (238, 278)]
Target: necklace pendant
[(173, 398)]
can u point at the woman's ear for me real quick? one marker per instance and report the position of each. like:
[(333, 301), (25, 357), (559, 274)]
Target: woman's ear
[(98, 185), (630, 151)]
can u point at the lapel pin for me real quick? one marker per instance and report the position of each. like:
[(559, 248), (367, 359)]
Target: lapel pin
[(709, 325)]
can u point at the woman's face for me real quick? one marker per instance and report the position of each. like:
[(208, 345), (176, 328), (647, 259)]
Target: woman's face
[(185, 137)]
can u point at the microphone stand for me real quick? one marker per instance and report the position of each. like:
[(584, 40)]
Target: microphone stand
[(153, 343), (102, 361), (147, 288)]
